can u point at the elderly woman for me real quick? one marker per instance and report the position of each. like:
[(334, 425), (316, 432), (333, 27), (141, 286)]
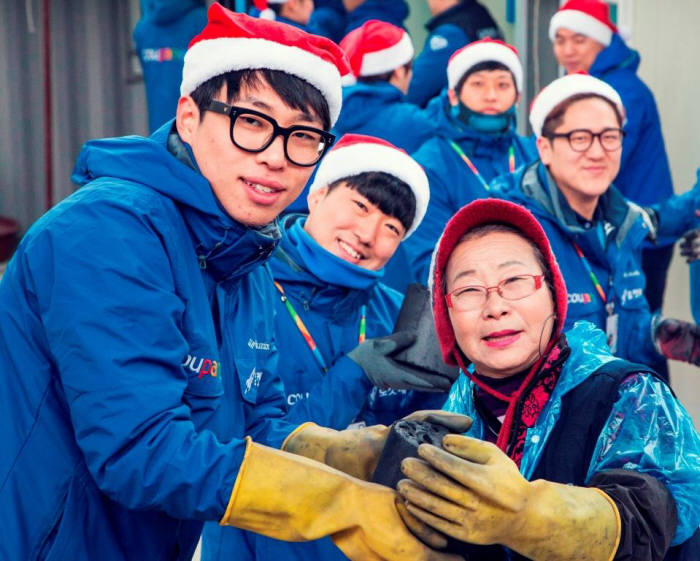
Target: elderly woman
[(573, 453)]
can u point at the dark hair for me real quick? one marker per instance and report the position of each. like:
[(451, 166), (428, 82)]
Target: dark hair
[(385, 76), (295, 92), (556, 115), (484, 229), (390, 194), (482, 66)]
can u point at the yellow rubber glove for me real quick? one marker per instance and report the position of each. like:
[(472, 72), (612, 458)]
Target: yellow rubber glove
[(356, 451), (486, 500), (292, 498)]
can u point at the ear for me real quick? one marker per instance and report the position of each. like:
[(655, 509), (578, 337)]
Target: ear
[(452, 96), (517, 99), (187, 118), (315, 197), (544, 147)]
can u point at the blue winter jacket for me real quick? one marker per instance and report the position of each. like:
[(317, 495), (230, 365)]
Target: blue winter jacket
[(611, 243), (452, 184), (392, 11), (648, 430), (380, 109), (328, 19), (120, 435), (645, 176), (341, 396), (450, 30), (161, 37)]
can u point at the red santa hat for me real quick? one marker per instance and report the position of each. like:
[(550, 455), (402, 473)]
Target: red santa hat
[(354, 154), (235, 41), (377, 47), (562, 89), (587, 17), (484, 50), (478, 213), (265, 11)]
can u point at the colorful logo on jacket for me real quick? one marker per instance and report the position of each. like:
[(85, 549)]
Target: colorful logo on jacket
[(164, 54), (580, 298), (201, 366)]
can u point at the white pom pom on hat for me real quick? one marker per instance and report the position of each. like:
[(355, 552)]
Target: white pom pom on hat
[(354, 154)]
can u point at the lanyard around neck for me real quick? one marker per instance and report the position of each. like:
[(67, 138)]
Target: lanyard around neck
[(305, 332), (475, 171), (591, 274)]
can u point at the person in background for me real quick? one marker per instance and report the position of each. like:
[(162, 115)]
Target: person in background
[(585, 40), (161, 37), (381, 58), (119, 308), (326, 277), (596, 233), (476, 139), (454, 24), (291, 12), (328, 19), (573, 453)]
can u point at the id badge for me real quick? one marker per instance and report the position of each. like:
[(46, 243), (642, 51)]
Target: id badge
[(611, 331)]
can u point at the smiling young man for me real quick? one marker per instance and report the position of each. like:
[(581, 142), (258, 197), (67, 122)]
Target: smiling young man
[(119, 439), (476, 139), (326, 279), (584, 39)]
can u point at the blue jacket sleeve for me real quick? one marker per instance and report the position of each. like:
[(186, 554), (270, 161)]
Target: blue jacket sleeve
[(430, 67), (119, 360), (650, 431), (679, 213), (337, 399)]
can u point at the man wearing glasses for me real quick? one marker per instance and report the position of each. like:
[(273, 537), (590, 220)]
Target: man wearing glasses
[(595, 232), (115, 445)]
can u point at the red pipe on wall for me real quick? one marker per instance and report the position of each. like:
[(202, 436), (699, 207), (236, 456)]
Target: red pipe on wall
[(48, 125)]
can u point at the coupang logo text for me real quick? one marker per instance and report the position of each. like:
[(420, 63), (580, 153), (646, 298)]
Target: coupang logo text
[(201, 366), (579, 298)]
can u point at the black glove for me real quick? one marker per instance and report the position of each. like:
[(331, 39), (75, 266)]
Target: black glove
[(374, 357), (677, 339), (690, 246)]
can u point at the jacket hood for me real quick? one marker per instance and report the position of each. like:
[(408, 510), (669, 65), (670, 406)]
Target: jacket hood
[(360, 103), (166, 11), (615, 56), (222, 243)]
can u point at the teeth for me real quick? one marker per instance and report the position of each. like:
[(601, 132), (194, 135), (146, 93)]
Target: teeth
[(350, 250), (260, 188)]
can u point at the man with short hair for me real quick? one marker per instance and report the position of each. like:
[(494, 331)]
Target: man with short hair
[(454, 24), (585, 40), (381, 59), (326, 279), (113, 328)]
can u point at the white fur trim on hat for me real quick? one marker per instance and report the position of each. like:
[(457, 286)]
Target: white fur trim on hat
[(212, 57), (387, 59), (565, 87), (580, 22), (367, 157), (474, 54)]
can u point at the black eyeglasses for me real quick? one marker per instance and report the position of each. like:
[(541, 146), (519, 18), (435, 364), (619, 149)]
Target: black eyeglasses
[(254, 131), (581, 140)]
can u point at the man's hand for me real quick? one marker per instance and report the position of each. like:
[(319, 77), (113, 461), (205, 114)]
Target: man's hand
[(677, 339)]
